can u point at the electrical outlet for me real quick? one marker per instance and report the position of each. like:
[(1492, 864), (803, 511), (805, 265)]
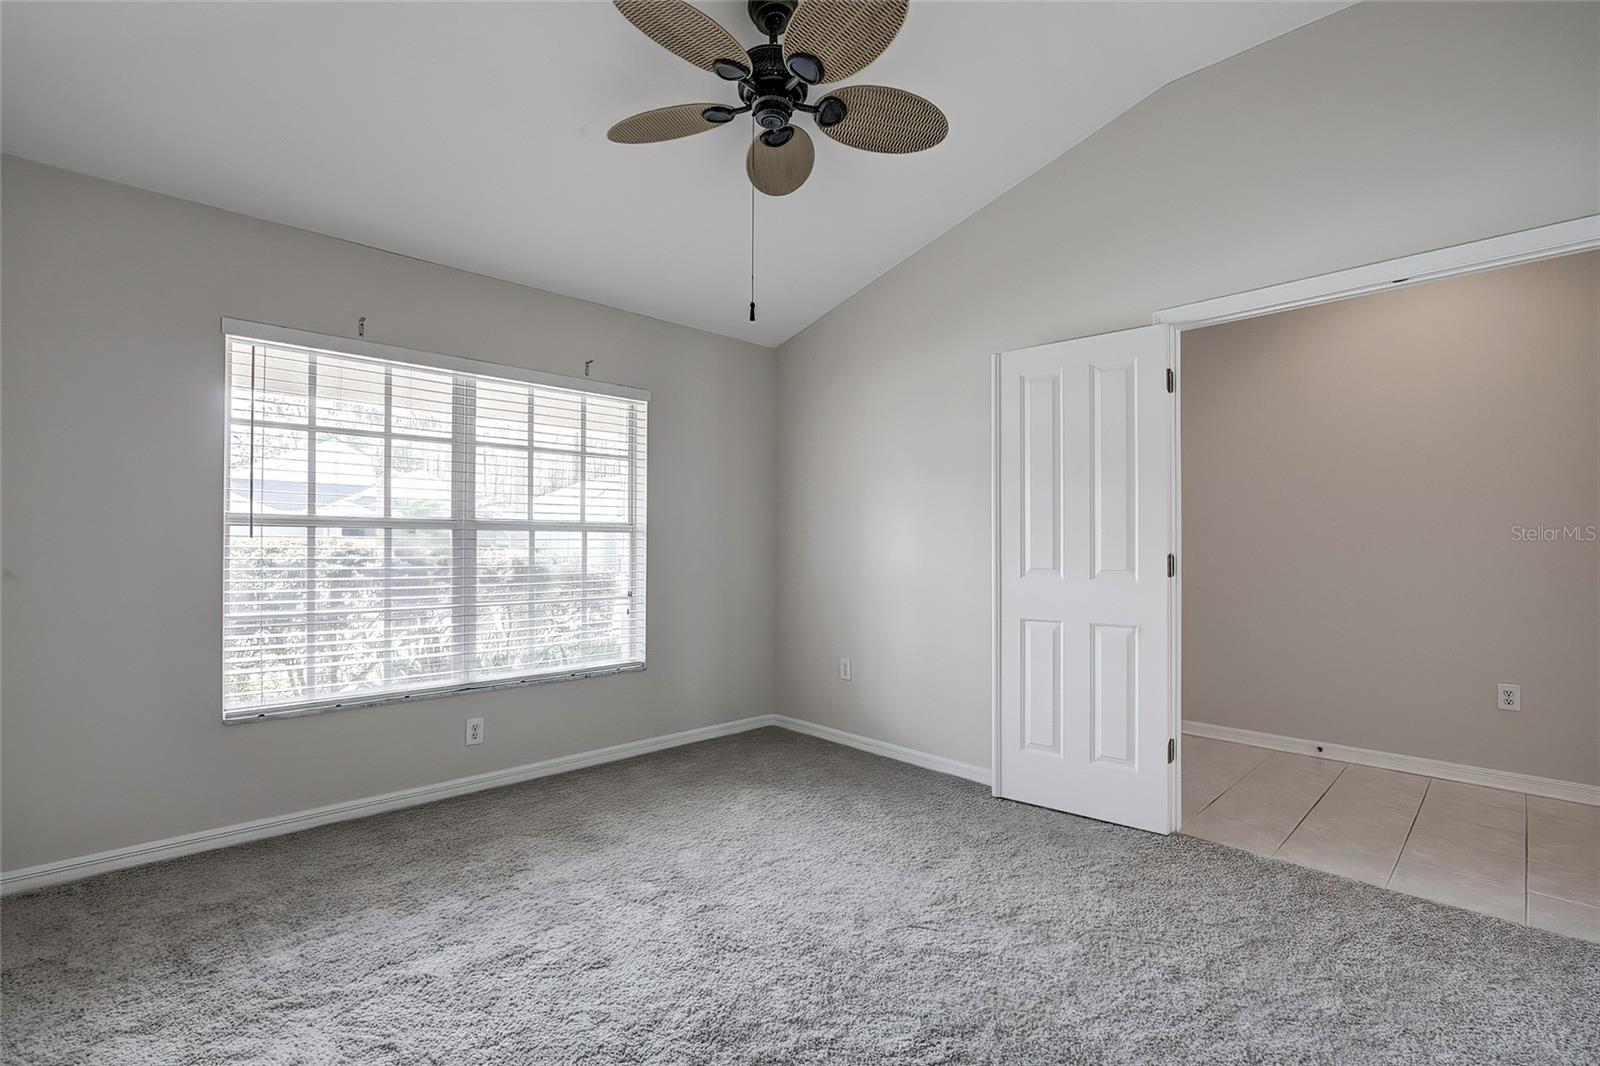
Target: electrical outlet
[(1509, 697), (474, 731), (844, 669)]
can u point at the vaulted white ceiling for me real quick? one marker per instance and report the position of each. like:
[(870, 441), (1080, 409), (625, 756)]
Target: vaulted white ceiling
[(474, 134)]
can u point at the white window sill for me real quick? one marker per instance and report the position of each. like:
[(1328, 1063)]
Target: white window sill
[(239, 716)]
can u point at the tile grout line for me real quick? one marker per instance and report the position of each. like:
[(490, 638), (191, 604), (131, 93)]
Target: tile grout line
[(1414, 816), (1342, 768), (1229, 789), (1213, 799), (1528, 874), (1556, 894)]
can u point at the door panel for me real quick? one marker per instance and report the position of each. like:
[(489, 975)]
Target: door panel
[(1041, 459), (1085, 482), (1041, 685)]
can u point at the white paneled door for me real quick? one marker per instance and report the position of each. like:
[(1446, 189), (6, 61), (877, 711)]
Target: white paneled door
[(1085, 453)]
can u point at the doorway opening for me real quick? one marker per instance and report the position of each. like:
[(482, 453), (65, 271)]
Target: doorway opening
[(1386, 504)]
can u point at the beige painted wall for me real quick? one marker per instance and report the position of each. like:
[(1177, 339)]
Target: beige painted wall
[(1354, 475), (1383, 130), (113, 467)]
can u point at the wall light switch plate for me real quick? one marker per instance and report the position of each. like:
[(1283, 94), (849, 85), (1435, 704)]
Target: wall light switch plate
[(474, 731), (1510, 697), (844, 669)]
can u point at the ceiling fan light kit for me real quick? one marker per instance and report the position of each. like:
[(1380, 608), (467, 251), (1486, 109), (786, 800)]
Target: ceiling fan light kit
[(809, 43)]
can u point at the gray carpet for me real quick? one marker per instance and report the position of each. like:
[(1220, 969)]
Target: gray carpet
[(769, 898)]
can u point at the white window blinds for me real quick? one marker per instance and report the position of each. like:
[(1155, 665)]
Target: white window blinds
[(397, 529)]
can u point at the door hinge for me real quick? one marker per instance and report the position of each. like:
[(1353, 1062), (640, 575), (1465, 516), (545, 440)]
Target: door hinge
[(1172, 380), (1172, 749), (1172, 566)]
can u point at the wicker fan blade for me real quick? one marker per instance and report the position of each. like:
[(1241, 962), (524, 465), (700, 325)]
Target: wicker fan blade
[(780, 171), (685, 31), (845, 35), (662, 124), (880, 119)]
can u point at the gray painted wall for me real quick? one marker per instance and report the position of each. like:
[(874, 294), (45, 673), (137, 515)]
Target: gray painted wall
[(1383, 130), (1353, 478), (1380, 131), (113, 444)]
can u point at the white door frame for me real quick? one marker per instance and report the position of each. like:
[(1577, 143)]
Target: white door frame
[(1526, 246)]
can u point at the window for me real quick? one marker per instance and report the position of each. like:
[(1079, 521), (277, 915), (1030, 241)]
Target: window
[(400, 525)]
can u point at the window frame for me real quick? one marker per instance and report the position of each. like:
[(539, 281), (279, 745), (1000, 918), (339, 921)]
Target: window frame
[(462, 522)]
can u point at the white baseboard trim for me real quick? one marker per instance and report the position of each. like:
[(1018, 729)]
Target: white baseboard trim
[(1573, 791), (979, 774), (55, 873)]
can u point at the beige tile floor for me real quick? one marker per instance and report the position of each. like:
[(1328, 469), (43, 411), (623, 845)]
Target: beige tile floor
[(1522, 858)]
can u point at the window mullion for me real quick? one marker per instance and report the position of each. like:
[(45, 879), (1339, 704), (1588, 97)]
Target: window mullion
[(533, 536), (463, 509), (388, 531), (583, 518), (311, 531)]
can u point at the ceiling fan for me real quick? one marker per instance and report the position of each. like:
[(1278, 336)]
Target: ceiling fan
[(809, 43)]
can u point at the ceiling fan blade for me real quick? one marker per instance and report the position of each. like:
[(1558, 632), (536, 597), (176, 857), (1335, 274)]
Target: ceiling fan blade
[(780, 171), (662, 124), (844, 35), (685, 31), (880, 119)]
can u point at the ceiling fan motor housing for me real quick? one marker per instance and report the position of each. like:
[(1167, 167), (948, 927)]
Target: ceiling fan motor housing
[(771, 91)]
